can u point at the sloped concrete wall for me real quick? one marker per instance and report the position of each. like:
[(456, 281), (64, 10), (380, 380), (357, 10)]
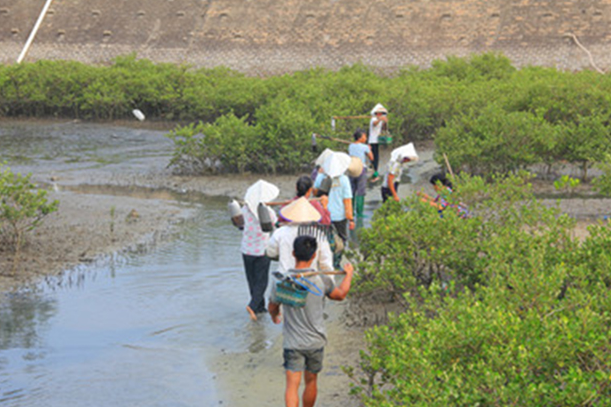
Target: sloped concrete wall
[(263, 37)]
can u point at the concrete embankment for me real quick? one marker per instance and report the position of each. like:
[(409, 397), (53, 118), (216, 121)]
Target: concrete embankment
[(277, 36)]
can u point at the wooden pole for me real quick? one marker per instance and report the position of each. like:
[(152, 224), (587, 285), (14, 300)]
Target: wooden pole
[(350, 117), (318, 273), (445, 157), (339, 140)]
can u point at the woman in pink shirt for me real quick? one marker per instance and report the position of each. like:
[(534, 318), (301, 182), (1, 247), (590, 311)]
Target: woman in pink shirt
[(256, 263)]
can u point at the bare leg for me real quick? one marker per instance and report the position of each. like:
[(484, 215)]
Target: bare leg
[(252, 314), (311, 389), (291, 396)]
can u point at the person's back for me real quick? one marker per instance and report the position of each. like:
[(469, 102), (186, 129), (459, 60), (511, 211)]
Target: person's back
[(303, 328)]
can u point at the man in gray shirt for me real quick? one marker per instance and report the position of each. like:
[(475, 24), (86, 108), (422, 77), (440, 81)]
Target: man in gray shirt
[(303, 329)]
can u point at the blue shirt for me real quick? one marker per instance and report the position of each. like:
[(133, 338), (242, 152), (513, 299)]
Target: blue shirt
[(359, 150), (340, 190)]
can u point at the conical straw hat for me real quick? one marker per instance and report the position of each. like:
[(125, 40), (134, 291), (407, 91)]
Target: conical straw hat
[(378, 108), (402, 152), (260, 191), (356, 167), (300, 210)]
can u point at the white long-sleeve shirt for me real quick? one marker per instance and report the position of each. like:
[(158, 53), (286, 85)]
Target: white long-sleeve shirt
[(280, 246)]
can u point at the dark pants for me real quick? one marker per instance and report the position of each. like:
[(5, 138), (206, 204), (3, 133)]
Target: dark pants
[(257, 274), (342, 229), (387, 194), (359, 184), (375, 150)]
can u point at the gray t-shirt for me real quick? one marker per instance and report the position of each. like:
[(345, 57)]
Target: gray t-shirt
[(304, 328)]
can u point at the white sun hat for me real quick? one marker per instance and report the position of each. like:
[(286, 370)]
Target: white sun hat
[(336, 164), (300, 210), (406, 151), (260, 191), (323, 156), (378, 108)]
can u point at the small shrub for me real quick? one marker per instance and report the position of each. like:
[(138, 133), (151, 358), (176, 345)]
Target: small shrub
[(22, 208)]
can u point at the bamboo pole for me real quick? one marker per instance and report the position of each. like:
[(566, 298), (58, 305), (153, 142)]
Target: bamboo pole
[(318, 273), (350, 117)]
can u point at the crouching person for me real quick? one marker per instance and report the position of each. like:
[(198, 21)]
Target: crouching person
[(303, 329)]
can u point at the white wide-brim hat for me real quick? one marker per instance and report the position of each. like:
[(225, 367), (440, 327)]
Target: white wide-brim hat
[(323, 156), (336, 164), (300, 210), (260, 191), (406, 151)]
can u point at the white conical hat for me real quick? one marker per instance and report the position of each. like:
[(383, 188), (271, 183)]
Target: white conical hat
[(323, 156), (300, 210), (407, 150), (260, 191), (378, 108), (336, 164)]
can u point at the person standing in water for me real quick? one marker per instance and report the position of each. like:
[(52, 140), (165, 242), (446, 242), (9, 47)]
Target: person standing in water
[(378, 122), (256, 263), (303, 329), (362, 151)]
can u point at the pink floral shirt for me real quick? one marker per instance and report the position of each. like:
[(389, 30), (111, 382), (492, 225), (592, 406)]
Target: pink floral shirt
[(254, 240)]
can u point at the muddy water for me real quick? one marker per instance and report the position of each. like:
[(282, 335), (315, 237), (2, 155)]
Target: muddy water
[(164, 328), (143, 330)]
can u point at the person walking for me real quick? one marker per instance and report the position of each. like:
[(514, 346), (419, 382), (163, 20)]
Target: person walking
[(256, 263), (302, 218), (361, 150), (378, 122), (304, 336), (254, 243)]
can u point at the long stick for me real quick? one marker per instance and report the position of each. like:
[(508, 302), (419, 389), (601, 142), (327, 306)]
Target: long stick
[(26, 47), (333, 139), (351, 117), (318, 273), (445, 157), (278, 203)]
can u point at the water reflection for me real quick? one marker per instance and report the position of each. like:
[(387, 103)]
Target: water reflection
[(23, 316), (141, 330)]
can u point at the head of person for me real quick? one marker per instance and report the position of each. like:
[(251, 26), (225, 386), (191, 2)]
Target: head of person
[(360, 136), (304, 248), (440, 182), (303, 186), (404, 159)]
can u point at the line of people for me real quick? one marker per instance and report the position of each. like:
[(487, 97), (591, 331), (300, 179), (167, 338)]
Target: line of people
[(302, 243), (310, 237)]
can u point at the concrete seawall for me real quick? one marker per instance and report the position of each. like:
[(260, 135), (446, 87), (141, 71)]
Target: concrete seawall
[(262, 37)]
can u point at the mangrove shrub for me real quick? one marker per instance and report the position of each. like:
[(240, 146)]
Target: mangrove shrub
[(505, 307)]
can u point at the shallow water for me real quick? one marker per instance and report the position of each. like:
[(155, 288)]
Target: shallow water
[(139, 331), (163, 328)]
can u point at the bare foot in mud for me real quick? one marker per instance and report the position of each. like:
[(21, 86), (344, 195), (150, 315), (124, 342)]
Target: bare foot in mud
[(252, 314)]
